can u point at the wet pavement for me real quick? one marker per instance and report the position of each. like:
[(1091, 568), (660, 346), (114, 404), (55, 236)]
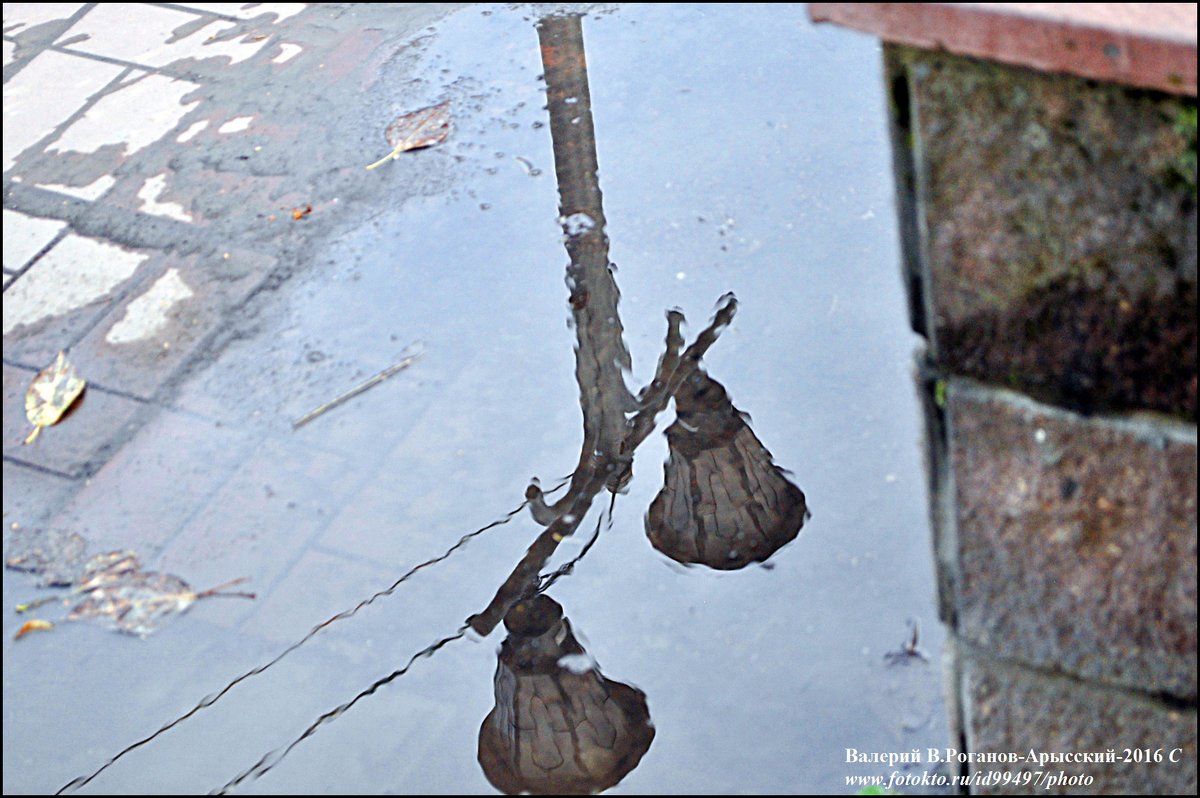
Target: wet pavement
[(739, 151)]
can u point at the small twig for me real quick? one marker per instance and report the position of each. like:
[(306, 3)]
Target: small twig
[(356, 390), (909, 649), (33, 605), (215, 591)]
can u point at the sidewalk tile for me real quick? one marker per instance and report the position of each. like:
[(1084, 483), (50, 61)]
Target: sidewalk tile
[(150, 334), (149, 489), (79, 442), (153, 36), (50, 306), (275, 503), (20, 17), (251, 10), (24, 237), (154, 101), (74, 80), (31, 495), (316, 587)]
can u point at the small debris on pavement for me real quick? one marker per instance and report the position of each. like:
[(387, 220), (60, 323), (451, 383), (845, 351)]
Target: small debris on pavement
[(111, 587), (909, 649), (422, 128), (356, 390), (56, 555), (33, 626), (300, 213), (136, 602), (51, 394)]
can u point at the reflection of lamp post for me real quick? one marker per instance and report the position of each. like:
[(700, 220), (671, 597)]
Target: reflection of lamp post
[(558, 725), (724, 502)]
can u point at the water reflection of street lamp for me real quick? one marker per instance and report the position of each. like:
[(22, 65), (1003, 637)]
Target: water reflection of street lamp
[(724, 502), (559, 726)]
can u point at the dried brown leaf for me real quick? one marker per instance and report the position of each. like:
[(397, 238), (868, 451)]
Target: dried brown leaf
[(422, 128), (138, 601)]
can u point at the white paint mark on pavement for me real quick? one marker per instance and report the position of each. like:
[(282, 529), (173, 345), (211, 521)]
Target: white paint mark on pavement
[(149, 193), (251, 10), (192, 131), (236, 125), (286, 52), (147, 315), (145, 34), (89, 192)]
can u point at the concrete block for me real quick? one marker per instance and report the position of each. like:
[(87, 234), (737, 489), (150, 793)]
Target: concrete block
[(1010, 709), (1076, 540), (1058, 229), (30, 495)]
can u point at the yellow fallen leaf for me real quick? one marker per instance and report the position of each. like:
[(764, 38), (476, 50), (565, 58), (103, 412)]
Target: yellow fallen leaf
[(51, 394), (33, 626)]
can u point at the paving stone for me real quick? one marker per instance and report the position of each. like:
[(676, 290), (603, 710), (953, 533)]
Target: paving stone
[(50, 306), (76, 272), (1060, 231), (24, 237), (80, 442), (74, 80), (154, 101), (250, 11), (31, 495), (19, 17), (153, 332), (1076, 540), (1011, 710), (317, 586), (154, 36), (257, 524), (145, 494)]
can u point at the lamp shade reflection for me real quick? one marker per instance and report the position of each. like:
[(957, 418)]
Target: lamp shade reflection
[(558, 725), (724, 502)]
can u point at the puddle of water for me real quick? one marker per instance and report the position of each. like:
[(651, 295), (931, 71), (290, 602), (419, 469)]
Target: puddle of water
[(738, 152), (760, 168)]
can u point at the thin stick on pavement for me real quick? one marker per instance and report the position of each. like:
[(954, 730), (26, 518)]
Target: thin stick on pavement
[(356, 390)]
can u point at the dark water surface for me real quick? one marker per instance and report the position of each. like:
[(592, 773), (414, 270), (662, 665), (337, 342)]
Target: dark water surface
[(740, 150)]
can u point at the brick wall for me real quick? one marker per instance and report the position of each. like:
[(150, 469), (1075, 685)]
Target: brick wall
[(1049, 240)]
